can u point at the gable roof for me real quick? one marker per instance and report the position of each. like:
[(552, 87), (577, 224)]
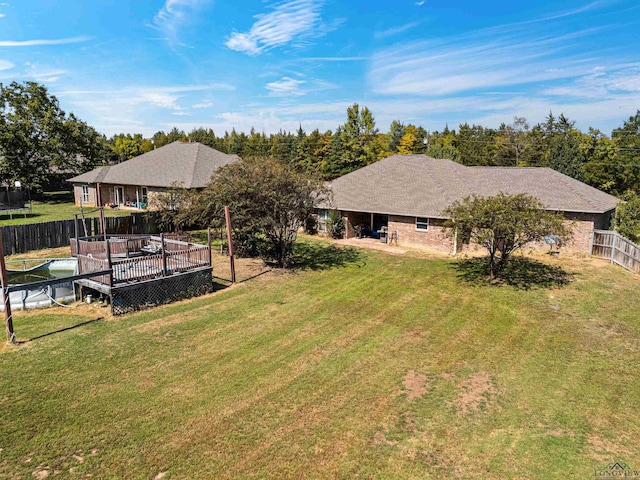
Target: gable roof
[(189, 164), (422, 186)]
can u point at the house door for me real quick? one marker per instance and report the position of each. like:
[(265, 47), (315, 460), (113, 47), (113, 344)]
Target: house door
[(119, 195)]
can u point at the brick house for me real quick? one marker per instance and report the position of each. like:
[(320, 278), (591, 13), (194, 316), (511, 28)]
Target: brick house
[(135, 183), (407, 194)]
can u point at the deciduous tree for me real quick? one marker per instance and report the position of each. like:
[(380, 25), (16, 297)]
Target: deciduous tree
[(504, 223), (36, 135), (269, 202)]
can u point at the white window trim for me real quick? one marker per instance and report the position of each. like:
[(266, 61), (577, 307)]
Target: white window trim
[(418, 229), (85, 194), (117, 200)]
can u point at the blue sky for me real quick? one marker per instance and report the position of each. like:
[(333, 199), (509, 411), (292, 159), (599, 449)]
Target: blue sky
[(144, 66)]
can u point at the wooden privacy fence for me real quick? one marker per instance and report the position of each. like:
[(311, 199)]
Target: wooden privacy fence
[(36, 236), (617, 249)]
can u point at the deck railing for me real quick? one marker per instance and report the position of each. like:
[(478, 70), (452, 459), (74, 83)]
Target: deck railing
[(137, 268), (129, 260), (188, 259), (88, 264)]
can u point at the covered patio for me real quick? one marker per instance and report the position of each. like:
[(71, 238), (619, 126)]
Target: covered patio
[(367, 225)]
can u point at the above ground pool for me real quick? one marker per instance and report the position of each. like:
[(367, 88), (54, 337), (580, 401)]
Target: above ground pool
[(63, 292)]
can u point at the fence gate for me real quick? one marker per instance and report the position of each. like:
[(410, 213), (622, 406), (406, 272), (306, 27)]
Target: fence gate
[(617, 249)]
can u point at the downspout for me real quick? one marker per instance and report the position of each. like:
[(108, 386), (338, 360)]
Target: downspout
[(455, 241), (99, 201)]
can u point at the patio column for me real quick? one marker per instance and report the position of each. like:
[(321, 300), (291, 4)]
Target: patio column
[(372, 222), (138, 199)]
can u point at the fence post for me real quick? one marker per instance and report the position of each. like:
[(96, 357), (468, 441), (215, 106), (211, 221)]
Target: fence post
[(591, 240), (164, 256), (108, 252), (77, 233), (8, 318), (613, 246), (209, 245), (227, 217)]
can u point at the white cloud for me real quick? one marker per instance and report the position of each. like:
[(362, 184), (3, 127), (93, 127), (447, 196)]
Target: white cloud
[(470, 62), (390, 32), (285, 87), (2, 15), (604, 82), (334, 59), (173, 16), (290, 21), (6, 65), (35, 43), (203, 105), (115, 109)]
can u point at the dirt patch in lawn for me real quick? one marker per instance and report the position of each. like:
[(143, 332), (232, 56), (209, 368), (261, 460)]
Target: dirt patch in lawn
[(602, 449), (381, 439), (476, 392), (415, 384)]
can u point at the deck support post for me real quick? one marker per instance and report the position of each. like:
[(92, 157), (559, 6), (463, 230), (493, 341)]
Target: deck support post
[(227, 217), (77, 233), (100, 206), (103, 229), (209, 245), (107, 250), (164, 256), (8, 318)]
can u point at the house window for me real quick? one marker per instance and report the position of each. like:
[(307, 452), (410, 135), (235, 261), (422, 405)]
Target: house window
[(323, 216), (85, 193), (144, 195), (422, 224)]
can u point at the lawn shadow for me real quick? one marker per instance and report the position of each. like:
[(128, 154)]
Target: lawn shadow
[(313, 256), (57, 197), (17, 215), (82, 324), (520, 272)]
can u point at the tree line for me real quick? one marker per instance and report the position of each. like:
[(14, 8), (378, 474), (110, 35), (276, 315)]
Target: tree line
[(608, 162), (37, 138)]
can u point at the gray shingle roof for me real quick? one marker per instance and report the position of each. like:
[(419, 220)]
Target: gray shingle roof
[(190, 164), (421, 186)]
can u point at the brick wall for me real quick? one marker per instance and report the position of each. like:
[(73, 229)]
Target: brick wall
[(77, 196), (582, 224), (435, 237), (352, 219), (438, 238)]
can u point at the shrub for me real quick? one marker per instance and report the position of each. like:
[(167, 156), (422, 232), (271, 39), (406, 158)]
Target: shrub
[(335, 224)]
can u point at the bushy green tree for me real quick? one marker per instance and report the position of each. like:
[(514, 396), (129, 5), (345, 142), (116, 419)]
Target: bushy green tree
[(335, 224), (504, 223), (36, 136), (269, 202), (627, 219), (627, 140), (358, 135)]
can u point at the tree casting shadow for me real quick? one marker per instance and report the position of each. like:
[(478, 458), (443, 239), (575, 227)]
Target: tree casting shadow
[(522, 273), (311, 256)]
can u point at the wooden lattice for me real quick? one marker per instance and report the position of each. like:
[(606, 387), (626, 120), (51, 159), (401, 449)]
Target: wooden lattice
[(151, 293)]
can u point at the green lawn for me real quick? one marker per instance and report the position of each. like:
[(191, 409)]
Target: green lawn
[(361, 365), (54, 206)]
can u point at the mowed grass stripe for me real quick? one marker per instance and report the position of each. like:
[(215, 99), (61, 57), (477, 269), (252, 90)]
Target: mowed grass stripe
[(301, 376)]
